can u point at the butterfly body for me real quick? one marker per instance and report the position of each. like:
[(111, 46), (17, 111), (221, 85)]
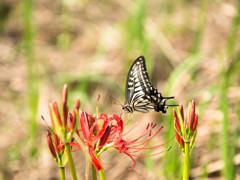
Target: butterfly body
[(140, 94)]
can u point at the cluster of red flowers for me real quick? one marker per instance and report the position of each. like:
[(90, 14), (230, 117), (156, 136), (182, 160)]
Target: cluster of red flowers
[(93, 133)]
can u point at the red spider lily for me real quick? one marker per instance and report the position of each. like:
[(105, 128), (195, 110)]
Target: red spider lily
[(130, 148), (99, 134)]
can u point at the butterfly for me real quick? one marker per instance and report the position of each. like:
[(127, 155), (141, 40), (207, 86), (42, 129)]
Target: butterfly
[(140, 95)]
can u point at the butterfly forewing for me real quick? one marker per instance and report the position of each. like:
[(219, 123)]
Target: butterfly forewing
[(137, 84)]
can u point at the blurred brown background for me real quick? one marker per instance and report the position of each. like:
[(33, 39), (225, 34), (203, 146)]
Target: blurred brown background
[(191, 50)]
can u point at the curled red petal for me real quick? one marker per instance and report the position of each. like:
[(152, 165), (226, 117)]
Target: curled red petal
[(95, 160), (134, 162), (84, 125)]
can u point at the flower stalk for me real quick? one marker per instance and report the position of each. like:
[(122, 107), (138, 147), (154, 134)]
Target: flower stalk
[(70, 161), (94, 173), (102, 174), (186, 161), (62, 173)]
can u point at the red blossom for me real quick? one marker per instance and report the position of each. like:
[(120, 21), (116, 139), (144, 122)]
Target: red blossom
[(96, 133), (109, 133)]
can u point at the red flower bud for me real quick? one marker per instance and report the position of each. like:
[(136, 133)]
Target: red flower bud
[(77, 104), (64, 105), (55, 117), (176, 120), (50, 145), (193, 117), (181, 111), (179, 139), (57, 142), (195, 122), (177, 124), (71, 120)]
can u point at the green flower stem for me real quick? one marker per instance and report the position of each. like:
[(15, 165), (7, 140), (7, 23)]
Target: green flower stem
[(70, 161), (94, 173), (186, 161), (102, 174), (87, 169), (62, 173)]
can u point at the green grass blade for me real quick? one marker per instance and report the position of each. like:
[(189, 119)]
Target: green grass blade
[(32, 77)]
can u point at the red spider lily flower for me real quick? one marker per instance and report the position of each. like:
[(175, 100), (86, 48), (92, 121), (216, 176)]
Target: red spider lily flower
[(186, 132), (93, 130), (130, 148), (99, 134)]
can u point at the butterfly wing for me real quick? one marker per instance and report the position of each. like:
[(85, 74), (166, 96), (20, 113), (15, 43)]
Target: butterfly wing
[(140, 94), (138, 85), (134, 88)]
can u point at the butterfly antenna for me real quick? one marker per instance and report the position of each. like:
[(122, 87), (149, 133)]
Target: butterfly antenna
[(172, 97), (172, 105), (115, 101)]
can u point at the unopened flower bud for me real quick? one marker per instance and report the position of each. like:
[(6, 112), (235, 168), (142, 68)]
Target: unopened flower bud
[(55, 117), (72, 121), (57, 142), (50, 145), (64, 105)]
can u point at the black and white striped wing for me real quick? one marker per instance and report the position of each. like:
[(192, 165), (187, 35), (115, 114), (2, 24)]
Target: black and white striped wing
[(138, 86)]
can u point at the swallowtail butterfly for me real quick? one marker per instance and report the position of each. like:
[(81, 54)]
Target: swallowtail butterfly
[(140, 94)]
